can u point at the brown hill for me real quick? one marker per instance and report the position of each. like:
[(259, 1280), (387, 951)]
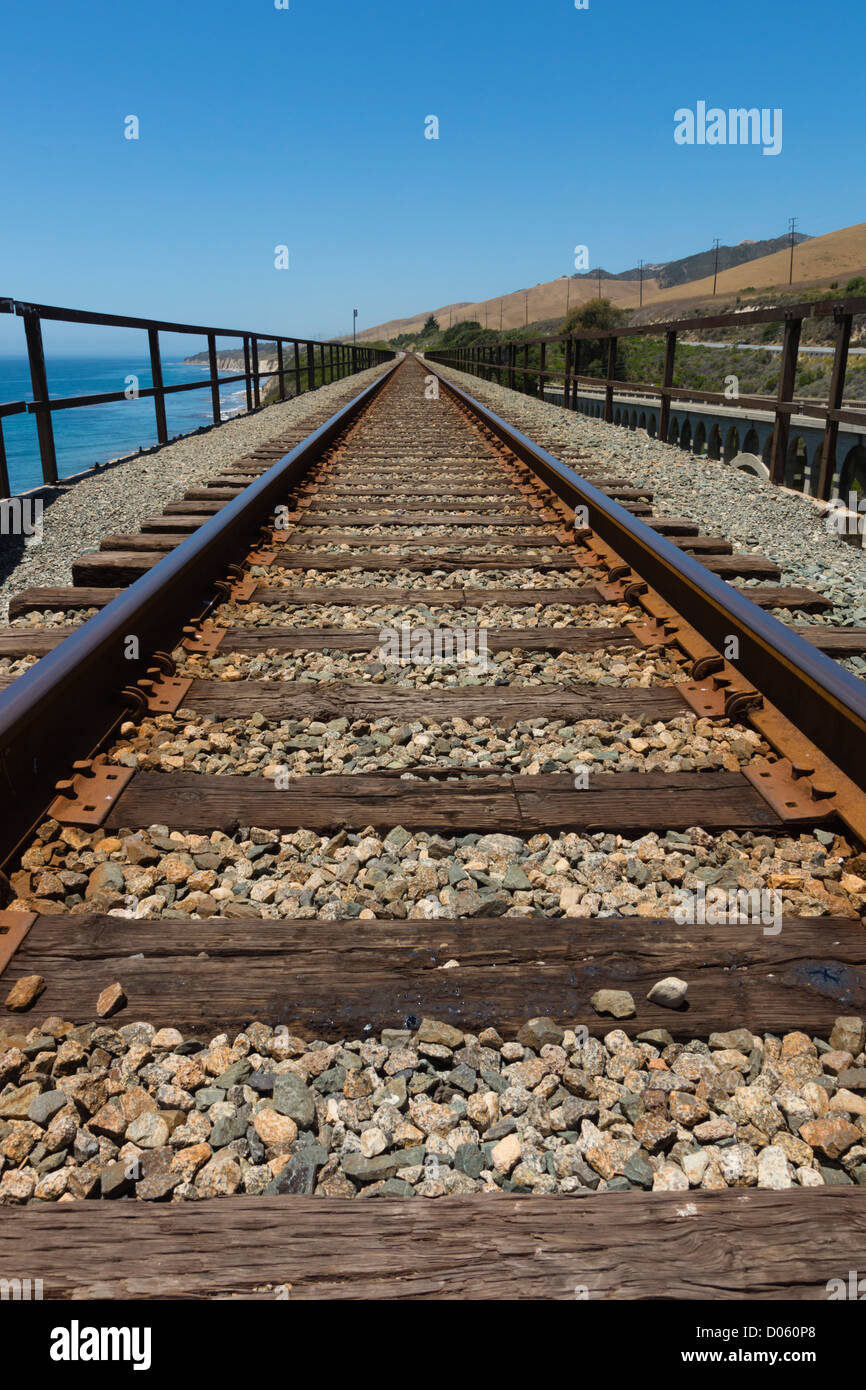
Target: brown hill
[(836, 256)]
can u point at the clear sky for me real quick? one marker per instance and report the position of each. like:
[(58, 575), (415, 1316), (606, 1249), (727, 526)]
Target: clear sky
[(304, 127)]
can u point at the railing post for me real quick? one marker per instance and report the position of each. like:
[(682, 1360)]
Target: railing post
[(281, 368), (322, 361), (542, 359), (525, 387), (254, 353), (214, 378), (311, 368), (297, 368), (39, 384), (608, 389), (787, 379), (834, 402), (512, 358), (247, 374), (566, 378), (4, 467), (158, 391), (667, 382), (575, 367)]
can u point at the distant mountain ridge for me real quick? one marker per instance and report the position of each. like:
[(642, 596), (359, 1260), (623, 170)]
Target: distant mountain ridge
[(701, 264)]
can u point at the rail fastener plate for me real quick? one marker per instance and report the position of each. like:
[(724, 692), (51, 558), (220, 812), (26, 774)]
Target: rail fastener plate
[(792, 793), (87, 798), (14, 926)]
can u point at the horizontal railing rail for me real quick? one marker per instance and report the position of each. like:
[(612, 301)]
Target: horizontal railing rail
[(301, 360), (499, 361)]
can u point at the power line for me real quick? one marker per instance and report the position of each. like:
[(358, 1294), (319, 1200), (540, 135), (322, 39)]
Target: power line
[(792, 228)]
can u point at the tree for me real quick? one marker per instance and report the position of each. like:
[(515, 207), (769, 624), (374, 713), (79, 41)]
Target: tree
[(430, 327), (595, 314), (465, 332)]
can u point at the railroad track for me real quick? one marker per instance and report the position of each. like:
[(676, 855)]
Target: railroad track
[(385, 729)]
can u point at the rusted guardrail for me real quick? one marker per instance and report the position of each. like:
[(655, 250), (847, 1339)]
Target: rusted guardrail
[(335, 360), (499, 361)]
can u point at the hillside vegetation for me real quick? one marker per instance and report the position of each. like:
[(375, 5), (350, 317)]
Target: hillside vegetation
[(641, 359)]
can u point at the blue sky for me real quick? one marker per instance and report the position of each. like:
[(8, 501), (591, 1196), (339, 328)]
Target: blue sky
[(305, 127)]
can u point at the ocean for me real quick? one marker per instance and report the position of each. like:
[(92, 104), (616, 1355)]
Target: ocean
[(98, 433)]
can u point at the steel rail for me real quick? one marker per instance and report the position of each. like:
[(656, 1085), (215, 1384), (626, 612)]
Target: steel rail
[(821, 698), (65, 706)]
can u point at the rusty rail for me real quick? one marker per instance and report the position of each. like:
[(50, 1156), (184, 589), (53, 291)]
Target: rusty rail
[(62, 709), (823, 700)]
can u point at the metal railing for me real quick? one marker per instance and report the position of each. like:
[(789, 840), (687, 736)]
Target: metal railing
[(335, 360), (499, 361)]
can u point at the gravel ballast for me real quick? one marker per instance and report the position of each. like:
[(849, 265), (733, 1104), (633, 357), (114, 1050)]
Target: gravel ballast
[(259, 747), (621, 667), (425, 1110), (164, 872)]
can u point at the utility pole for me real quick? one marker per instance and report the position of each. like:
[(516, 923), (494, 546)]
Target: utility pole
[(640, 267), (567, 293), (715, 263), (500, 316), (354, 326), (792, 227), (599, 282)]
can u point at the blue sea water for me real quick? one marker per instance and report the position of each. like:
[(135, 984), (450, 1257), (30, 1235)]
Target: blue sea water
[(92, 434)]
